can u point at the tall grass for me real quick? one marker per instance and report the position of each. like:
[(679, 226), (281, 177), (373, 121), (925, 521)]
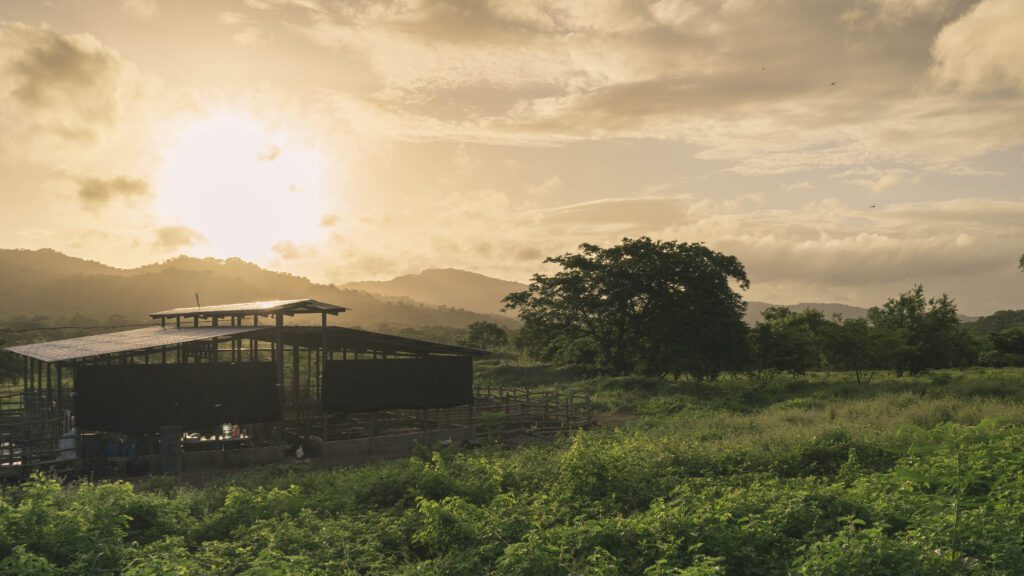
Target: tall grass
[(810, 476)]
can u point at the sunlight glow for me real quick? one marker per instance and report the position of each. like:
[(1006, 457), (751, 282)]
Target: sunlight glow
[(242, 186)]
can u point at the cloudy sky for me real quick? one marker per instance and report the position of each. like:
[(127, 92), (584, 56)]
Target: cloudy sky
[(843, 150)]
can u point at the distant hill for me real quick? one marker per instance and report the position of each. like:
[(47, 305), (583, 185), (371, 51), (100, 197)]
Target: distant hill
[(754, 309), (997, 322), (48, 283), (445, 287)]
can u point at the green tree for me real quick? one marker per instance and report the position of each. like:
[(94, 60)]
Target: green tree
[(1007, 348), (485, 336), (655, 307), (787, 341), (925, 333), (856, 345)]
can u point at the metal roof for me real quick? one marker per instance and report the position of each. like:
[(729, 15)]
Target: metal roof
[(353, 339), (129, 340), (338, 338), (263, 308)]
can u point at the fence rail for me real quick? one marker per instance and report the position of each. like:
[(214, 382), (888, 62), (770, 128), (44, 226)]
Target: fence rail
[(504, 414)]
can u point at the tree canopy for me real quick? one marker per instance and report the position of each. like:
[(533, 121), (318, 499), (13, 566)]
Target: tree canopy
[(485, 336), (649, 306), (926, 333)]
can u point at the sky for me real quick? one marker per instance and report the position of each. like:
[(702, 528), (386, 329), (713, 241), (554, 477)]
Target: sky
[(842, 150)]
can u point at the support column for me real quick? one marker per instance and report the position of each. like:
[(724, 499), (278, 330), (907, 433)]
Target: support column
[(322, 368), (60, 394), (296, 395), (279, 360)]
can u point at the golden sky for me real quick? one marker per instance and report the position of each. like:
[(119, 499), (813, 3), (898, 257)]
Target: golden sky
[(843, 150)]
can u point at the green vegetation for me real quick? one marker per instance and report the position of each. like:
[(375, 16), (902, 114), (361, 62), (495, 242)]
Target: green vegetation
[(810, 475), (644, 306)]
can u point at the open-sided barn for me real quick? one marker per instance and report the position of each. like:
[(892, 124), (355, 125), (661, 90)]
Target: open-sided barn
[(214, 379)]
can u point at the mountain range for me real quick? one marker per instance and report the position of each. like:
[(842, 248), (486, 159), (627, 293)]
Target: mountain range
[(48, 283)]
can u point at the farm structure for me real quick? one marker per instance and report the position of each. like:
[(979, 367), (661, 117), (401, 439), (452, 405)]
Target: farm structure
[(221, 385)]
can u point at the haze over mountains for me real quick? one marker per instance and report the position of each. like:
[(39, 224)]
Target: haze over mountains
[(48, 283), (446, 287)]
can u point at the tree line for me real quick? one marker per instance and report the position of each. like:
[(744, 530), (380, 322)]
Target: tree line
[(671, 308)]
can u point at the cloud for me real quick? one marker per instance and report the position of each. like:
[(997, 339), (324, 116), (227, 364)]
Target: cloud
[(70, 101), (251, 36), (982, 50), (785, 87), (231, 18), (98, 192), (42, 68), (878, 180), (548, 187), (820, 250), (170, 238), (289, 250), (328, 220), (270, 155), (140, 8)]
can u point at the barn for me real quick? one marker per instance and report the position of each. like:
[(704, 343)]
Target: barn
[(233, 384)]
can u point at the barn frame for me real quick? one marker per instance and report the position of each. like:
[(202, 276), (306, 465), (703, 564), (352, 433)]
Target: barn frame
[(329, 389)]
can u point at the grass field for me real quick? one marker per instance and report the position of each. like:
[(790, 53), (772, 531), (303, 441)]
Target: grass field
[(816, 475)]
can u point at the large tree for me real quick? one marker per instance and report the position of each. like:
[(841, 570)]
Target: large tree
[(926, 333), (655, 307), (787, 341)]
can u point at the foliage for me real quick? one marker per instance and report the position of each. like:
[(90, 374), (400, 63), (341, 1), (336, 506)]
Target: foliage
[(927, 332), (485, 336), (996, 322), (816, 475), (856, 345), (1007, 348), (787, 341), (643, 306)]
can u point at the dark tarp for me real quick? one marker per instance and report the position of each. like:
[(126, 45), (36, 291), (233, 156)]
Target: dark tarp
[(140, 398), (366, 385)]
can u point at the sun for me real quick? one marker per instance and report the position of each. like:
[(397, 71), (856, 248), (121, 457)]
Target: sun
[(242, 186)]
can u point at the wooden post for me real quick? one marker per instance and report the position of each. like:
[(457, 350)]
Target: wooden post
[(322, 368), (295, 377), (60, 394), (279, 360), (49, 387), (25, 377)]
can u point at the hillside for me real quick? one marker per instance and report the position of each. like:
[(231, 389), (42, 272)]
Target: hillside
[(445, 287), (754, 309), (480, 293), (47, 283)]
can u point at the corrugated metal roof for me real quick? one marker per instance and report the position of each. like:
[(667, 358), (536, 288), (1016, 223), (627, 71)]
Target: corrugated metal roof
[(353, 339), (114, 342), (263, 308)]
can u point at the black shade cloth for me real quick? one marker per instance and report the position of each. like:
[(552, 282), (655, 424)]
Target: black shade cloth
[(366, 385), (141, 398)]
